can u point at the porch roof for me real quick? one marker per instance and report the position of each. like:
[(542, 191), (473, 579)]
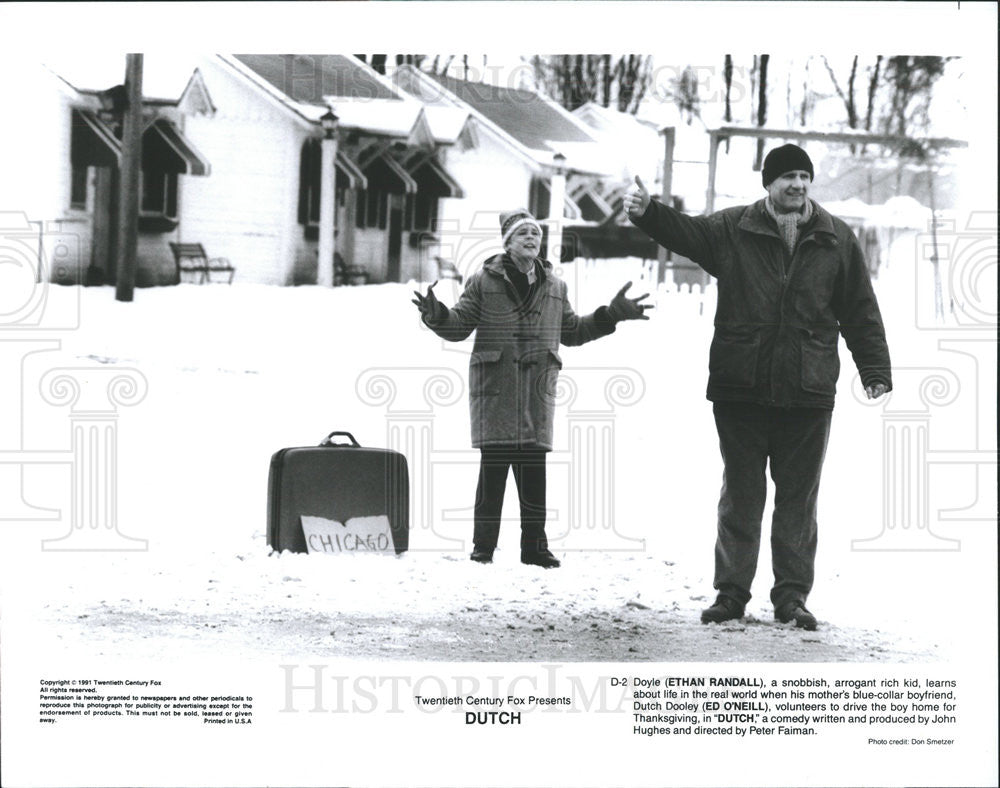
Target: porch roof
[(384, 172), (92, 142), (570, 209), (432, 177), (352, 172), (165, 148)]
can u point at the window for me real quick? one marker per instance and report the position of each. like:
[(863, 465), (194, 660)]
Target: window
[(373, 209), (420, 212), (159, 194), (78, 188), (157, 201)]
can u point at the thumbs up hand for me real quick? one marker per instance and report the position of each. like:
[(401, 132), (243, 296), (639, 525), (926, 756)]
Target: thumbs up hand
[(637, 199)]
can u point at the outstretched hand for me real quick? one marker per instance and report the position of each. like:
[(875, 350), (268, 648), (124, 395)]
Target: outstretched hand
[(427, 304), (637, 199), (624, 308)]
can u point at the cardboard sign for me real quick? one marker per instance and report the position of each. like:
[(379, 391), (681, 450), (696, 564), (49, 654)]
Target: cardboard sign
[(357, 535)]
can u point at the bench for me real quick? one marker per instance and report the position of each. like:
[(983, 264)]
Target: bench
[(192, 259), (344, 274)]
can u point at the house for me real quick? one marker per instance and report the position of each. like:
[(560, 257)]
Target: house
[(65, 175), (246, 129), (262, 204), (518, 134)]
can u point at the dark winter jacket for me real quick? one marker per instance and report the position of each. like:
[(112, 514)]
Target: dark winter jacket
[(515, 357), (778, 315)]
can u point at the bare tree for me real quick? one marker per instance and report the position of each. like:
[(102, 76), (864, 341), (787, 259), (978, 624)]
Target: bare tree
[(633, 83), (606, 80), (573, 80), (441, 64), (873, 80), (910, 82), (808, 97), (685, 94), (410, 60), (847, 96), (727, 72), (761, 107)]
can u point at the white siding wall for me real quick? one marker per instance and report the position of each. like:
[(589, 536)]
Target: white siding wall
[(36, 170), (371, 252), (494, 179), (246, 209)]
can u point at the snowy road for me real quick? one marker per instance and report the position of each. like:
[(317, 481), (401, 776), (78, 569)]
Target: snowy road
[(236, 373), (597, 608)]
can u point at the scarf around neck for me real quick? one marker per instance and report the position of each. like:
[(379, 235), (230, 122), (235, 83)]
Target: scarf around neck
[(789, 224)]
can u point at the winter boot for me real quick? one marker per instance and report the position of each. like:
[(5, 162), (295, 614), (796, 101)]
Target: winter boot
[(543, 558), (725, 609), (795, 611)]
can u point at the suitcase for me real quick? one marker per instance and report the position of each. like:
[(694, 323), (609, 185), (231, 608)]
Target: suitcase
[(336, 481)]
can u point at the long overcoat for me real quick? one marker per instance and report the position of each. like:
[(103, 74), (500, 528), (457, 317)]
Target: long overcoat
[(780, 314), (515, 359)]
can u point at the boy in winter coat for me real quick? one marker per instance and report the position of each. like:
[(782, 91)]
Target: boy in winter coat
[(520, 313)]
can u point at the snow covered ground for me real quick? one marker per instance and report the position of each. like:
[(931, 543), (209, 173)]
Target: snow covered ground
[(235, 373)]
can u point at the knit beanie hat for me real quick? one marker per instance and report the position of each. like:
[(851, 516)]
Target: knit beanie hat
[(511, 220), (785, 159)]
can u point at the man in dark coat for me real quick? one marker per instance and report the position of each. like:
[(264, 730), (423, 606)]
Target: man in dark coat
[(791, 279), (520, 313)]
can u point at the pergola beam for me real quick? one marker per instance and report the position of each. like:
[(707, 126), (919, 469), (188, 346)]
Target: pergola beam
[(838, 136)]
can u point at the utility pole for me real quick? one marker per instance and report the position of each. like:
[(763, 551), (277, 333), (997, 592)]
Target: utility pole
[(128, 202)]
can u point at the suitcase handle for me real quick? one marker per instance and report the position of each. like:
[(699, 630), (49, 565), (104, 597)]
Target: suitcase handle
[(328, 442)]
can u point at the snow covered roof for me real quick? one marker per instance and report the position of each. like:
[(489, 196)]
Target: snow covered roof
[(534, 125), (164, 79), (446, 123), (851, 208), (402, 119), (598, 117), (361, 98), (902, 212), (310, 79)]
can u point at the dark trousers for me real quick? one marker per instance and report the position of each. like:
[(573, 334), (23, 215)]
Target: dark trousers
[(529, 475), (794, 440)]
